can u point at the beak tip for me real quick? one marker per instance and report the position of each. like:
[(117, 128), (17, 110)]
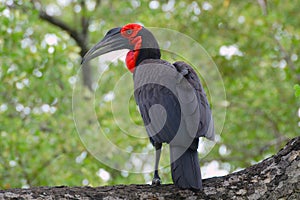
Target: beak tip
[(82, 61)]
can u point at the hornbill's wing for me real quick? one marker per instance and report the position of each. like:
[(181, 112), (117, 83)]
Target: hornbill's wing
[(158, 105), (178, 99), (206, 124)]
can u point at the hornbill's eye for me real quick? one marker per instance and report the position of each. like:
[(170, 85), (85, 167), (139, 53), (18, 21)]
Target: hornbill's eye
[(129, 31)]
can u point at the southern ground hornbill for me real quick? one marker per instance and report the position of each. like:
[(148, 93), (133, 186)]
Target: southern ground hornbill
[(170, 98)]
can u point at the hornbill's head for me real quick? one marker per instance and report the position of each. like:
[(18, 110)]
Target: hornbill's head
[(138, 40)]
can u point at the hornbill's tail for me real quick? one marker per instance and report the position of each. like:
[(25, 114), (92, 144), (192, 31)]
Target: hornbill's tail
[(185, 168)]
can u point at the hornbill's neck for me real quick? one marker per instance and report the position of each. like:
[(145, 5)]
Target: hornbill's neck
[(146, 47)]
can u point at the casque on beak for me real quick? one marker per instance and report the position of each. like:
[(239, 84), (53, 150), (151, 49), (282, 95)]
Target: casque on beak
[(112, 41)]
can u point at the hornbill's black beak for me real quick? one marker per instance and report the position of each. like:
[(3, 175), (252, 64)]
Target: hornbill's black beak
[(112, 41)]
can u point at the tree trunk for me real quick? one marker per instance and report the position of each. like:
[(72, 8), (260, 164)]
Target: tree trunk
[(277, 177)]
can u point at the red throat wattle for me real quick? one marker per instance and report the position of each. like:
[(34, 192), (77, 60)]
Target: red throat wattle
[(130, 61), (130, 32)]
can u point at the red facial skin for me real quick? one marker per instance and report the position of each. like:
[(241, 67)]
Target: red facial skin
[(130, 31)]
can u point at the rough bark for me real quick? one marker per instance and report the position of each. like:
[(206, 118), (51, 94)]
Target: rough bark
[(277, 177)]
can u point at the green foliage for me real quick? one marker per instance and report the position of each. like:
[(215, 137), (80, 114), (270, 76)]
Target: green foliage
[(297, 90), (39, 144)]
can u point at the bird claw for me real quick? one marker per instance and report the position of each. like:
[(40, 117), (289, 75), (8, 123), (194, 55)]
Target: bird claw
[(156, 181)]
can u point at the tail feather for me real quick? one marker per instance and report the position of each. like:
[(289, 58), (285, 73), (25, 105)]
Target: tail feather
[(185, 168)]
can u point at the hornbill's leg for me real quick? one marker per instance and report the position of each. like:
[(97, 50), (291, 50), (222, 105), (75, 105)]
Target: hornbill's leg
[(156, 178)]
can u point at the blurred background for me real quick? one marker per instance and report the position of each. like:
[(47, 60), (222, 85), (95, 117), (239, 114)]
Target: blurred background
[(255, 44)]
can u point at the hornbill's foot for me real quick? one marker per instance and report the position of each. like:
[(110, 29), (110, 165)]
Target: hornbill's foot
[(156, 181)]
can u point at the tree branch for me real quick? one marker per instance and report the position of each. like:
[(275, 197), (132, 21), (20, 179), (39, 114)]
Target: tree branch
[(277, 177), (85, 21), (80, 38), (263, 5), (57, 22)]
